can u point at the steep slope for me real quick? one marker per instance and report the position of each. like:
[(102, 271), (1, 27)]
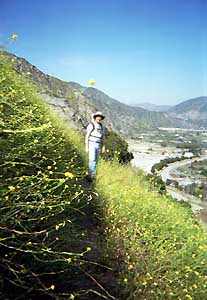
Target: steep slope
[(62, 239), (50, 233)]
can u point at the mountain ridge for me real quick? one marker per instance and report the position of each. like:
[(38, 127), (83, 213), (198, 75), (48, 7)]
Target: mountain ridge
[(77, 103), (192, 111), (152, 107)]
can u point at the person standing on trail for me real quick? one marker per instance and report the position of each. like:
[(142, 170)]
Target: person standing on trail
[(94, 142)]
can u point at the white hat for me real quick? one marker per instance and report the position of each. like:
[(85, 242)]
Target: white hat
[(98, 114)]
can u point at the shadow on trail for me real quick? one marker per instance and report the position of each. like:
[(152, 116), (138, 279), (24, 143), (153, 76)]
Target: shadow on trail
[(68, 262), (95, 279)]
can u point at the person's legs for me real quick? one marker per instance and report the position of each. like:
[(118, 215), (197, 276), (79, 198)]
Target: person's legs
[(93, 158)]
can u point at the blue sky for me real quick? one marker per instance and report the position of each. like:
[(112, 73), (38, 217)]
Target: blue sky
[(136, 50)]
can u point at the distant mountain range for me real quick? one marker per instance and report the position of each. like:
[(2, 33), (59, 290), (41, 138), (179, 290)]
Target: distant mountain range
[(77, 103)]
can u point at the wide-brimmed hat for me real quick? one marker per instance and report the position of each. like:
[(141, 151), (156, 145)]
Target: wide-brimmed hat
[(98, 114)]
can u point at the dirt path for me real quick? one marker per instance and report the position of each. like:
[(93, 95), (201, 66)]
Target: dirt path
[(98, 278)]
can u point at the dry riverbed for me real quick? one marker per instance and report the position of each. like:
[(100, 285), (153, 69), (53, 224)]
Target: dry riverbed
[(148, 154)]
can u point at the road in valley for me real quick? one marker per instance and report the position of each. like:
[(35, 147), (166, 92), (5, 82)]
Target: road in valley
[(199, 207)]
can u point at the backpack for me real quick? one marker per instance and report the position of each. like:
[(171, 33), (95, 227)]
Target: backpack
[(94, 128)]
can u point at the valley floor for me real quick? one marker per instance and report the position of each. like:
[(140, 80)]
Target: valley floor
[(147, 154)]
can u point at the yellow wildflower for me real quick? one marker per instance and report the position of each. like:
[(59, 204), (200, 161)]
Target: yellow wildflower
[(188, 297), (69, 175), (144, 282), (11, 188)]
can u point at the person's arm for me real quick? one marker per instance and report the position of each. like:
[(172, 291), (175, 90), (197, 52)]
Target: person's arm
[(86, 141), (103, 149), (89, 130)]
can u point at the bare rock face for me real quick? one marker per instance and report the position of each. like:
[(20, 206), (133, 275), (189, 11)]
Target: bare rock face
[(76, 114)]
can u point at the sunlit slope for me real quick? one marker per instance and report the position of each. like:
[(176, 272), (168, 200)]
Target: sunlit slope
[(48, 215), (163, 250)]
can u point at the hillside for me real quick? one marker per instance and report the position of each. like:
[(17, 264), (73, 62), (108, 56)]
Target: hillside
[(50, 245), (61, 238), (78, 103)]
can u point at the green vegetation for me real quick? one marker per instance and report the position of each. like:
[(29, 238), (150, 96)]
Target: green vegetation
[(160, 251), (49, 217), (47, 211), (156, 183), (117, 148), (198, 170), (194, 146), (164, 163)]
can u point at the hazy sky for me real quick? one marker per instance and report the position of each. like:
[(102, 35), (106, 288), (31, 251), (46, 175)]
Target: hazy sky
[(136, 50)]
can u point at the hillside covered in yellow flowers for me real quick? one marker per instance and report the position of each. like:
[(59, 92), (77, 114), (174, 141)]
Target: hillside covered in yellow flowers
[(61, 238)]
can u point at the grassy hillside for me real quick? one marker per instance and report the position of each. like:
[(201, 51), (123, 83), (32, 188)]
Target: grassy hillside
[(63, 239), (50, 230), (154, 242)]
